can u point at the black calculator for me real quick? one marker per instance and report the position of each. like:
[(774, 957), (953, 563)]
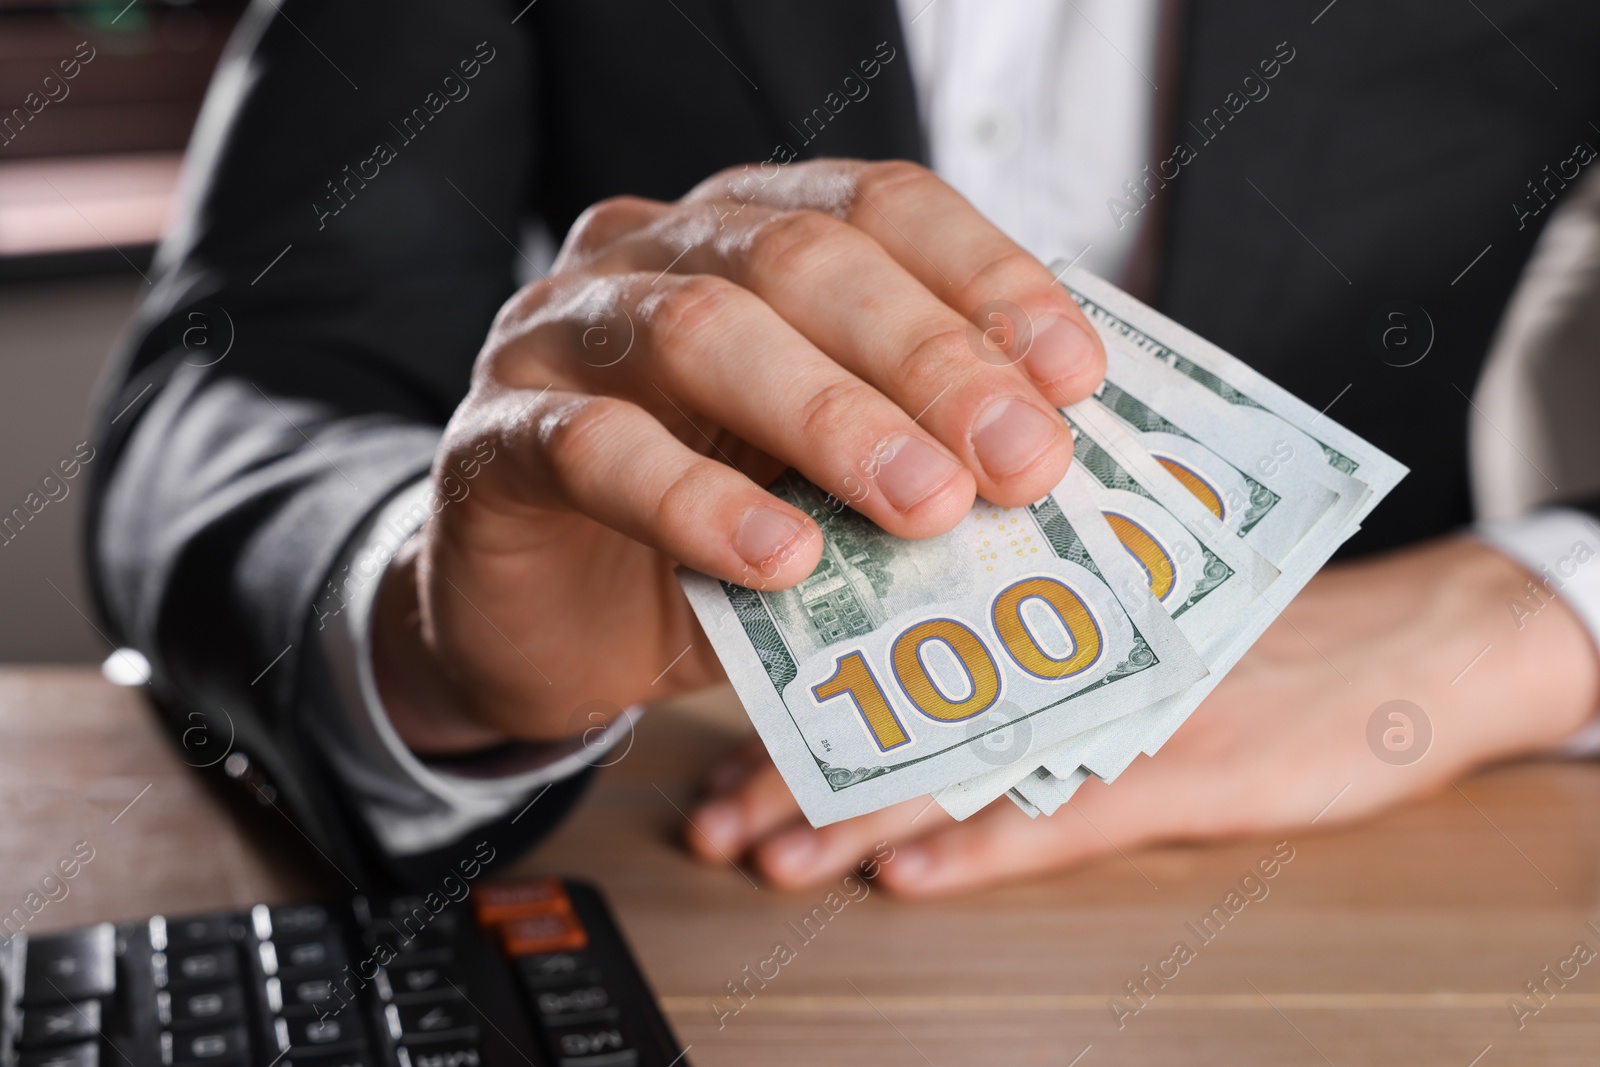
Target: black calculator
[(524, 974)]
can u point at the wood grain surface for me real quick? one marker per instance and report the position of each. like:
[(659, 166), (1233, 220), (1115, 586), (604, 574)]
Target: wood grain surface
[(1401, 941)]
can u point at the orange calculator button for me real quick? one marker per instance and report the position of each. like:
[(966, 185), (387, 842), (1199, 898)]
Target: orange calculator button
[(498, 903), (554, 931)]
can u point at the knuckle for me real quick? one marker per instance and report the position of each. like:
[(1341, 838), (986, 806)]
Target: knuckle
[(692, 309), (521, 306), (1009, 270), (795, 243), (605, 220), (465, 436), (942, 354), (832, 410), (892, 178), (509, 349), (727, 179), (718, 185), (682, 504), (574, 433)]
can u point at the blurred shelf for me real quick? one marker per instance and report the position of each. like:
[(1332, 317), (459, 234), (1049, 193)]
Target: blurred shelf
[(96, 104), (77, 204)]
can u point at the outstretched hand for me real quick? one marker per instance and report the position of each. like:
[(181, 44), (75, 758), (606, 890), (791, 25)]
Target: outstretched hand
[(633, 404), (1283, 740)]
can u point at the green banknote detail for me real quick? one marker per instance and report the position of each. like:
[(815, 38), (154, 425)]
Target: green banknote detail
[(1213, 573), (1338, 460), (1133, 411), (1098, 462), (1189, 369), (763, 633), (1062, 537)]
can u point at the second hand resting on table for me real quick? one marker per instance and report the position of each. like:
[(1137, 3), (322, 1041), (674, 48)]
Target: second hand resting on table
[(1281, 737)]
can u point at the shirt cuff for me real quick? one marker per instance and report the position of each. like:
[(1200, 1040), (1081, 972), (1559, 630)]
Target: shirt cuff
[(1558, 545), (416, 805)]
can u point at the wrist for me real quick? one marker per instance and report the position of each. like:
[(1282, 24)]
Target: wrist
[(1547, 683), (426, 707)]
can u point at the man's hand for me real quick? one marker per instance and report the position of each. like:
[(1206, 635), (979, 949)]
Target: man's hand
[(1283, 735), (820, 316)]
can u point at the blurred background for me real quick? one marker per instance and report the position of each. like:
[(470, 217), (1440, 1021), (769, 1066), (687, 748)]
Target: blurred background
[(89, 171)]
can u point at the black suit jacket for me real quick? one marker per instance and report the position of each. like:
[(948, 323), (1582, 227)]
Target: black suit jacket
[(354, 286)]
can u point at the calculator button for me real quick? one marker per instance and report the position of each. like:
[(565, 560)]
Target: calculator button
[(309, 992), (419, 934), (72, 966), (201, 930), (564, 1006), (310, 1033), (499, 903), (220, 964), (422, 950), (84, 1054), (416, 940), (431, 1020), (322, 953), (415, 910), (207, 1007), (605, 1045), (557, 968), (445, 1054), (305, 919), (227, 1044), (410, 918), (553, 932), (56, 1024), (415, 980)]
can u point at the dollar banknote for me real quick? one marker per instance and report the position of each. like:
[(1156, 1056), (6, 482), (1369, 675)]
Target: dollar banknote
[(899, 667)]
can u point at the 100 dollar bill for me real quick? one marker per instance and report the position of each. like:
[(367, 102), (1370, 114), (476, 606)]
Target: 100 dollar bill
[(899, 667)]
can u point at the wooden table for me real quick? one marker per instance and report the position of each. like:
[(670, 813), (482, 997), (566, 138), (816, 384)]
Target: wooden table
[(1398, 942)]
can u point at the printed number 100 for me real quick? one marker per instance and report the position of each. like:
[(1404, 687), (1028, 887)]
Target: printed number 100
[(853, 676)]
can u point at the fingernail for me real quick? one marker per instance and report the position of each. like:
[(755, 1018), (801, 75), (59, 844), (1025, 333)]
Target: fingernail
[(1012, 433), (793, 852), (912, 470), (1060, 349), (720, 823), (763, 533)]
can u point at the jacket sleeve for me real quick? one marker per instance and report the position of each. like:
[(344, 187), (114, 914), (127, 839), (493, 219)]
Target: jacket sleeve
[(352, 189)]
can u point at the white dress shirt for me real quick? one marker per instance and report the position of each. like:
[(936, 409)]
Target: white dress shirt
[(1038, 111)]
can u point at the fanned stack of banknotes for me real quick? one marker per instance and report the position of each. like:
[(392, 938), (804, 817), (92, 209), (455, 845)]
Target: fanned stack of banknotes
[(1032, 647)]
